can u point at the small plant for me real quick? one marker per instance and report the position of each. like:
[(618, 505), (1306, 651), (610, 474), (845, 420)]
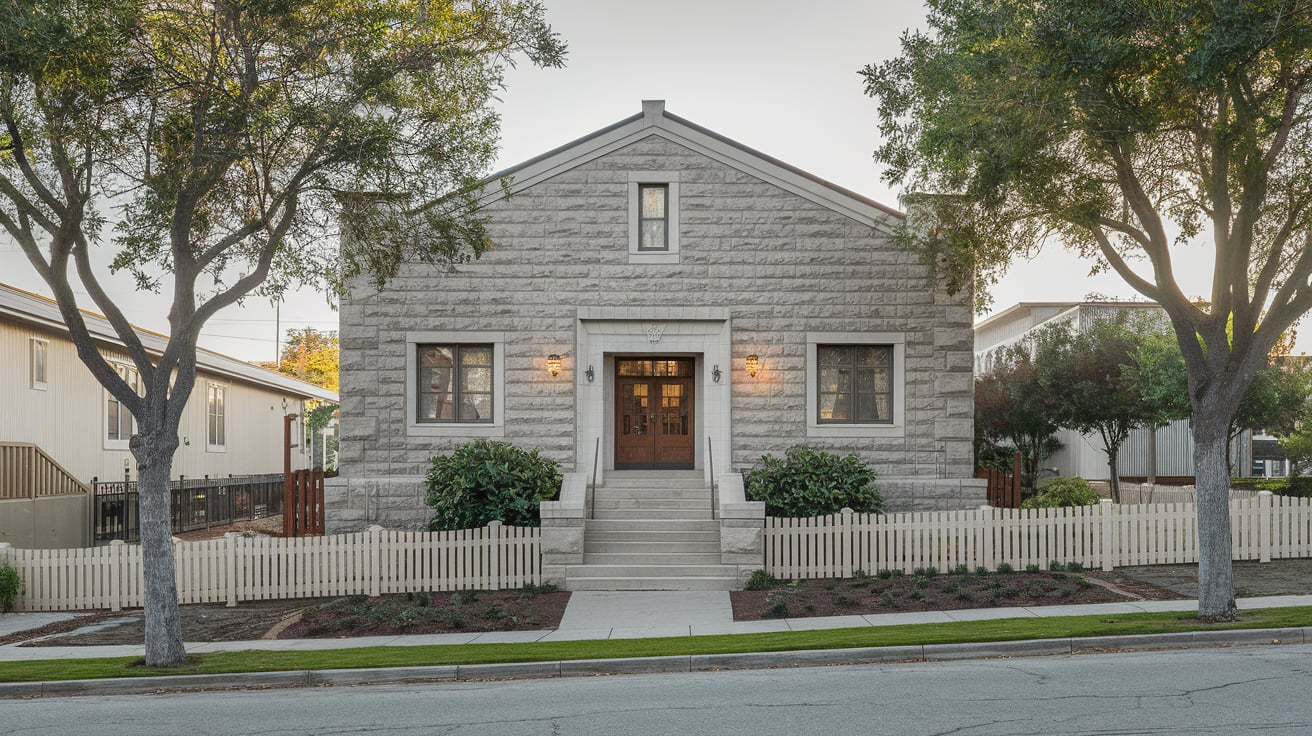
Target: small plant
[(844, 600), (1082, 582), (810, 483), (357, 599), (1074, 567), (1005, 568), (982, 571), (920, 583), (830, 585), (1057, 566), (455, 618), (918, 594), (926, 572), (887, 600), (494, 612), (896, 572), (761, 580), (1061, 492), (965, 595), (776, 608), (885, 574), (961, 570), (951, 588), (1033, 567), (860, 574), (462, 597), (10, 586)]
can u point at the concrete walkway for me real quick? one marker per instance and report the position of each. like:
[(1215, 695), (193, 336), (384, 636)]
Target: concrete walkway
[(625, 615)]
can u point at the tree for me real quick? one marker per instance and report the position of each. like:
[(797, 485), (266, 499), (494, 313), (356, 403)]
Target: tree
[(1097, 385), (218, 137), (311, 356), (1011, 405), (1128, 131), (1277, 400)]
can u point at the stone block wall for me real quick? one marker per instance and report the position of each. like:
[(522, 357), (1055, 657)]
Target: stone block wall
[(781, 264)]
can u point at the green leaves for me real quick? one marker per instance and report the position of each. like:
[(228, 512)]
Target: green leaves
[(810, 483), (488, 480)]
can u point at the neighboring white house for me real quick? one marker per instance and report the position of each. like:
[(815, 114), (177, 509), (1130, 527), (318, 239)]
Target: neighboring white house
[(232, 424), (1166, 453), (660, 296)]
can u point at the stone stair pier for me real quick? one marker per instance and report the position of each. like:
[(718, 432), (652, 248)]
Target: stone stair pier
[(652, 530)]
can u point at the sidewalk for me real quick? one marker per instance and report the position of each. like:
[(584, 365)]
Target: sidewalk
[(623, 615)]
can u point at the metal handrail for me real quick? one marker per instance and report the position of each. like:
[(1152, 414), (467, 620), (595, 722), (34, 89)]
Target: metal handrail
[(710, 463), (592, 487)]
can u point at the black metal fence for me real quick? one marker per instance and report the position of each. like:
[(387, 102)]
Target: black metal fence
[(195, 503)]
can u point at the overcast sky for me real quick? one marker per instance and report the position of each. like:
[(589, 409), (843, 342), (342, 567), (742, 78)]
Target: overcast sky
[(780, 77)]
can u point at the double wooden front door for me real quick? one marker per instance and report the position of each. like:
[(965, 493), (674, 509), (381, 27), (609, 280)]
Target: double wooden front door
[(654, 415)]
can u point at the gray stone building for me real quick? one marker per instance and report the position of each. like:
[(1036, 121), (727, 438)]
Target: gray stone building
[(661, 297)]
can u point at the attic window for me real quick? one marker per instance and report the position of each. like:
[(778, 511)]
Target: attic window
[(653, 217)]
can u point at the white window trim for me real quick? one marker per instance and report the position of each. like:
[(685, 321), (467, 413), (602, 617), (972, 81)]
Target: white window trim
[(898, 427), (44, 383), (105, 396), (415, 428), (224, 446), (671, 180)]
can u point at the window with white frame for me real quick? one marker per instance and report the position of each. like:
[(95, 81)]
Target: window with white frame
[(855, 384), (455, 383), (40, 365), (654, 217), (119, 424), (216, 417)]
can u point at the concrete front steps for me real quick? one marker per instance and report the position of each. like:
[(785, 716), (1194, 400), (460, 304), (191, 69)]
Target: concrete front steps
[(652, 530)]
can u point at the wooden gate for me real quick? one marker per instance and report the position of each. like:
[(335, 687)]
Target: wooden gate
[(1004, 485), (302, 506)]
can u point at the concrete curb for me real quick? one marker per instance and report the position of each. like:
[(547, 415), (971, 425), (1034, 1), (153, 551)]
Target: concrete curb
[(652, 665)]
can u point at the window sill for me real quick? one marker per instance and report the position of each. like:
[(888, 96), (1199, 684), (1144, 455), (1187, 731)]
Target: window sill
[(116, 445), (216, 448), (855, 430), (456, 429), (653, 258)]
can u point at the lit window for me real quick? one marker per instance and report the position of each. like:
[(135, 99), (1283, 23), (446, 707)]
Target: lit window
[(653, 217), (455, 383), (216, 415)]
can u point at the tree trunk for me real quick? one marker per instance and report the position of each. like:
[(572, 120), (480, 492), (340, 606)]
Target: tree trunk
[(1216, 582), (163, 622), (1115, 474)]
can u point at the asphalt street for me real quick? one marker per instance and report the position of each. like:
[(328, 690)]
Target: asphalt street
[(1203, 691)]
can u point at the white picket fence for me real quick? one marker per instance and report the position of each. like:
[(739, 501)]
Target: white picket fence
[(234, 569), (1107, 535)]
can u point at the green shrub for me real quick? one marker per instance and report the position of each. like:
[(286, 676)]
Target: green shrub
[(760, 580), (1062, 492), (10, 586), (810, 483), (489, 480)]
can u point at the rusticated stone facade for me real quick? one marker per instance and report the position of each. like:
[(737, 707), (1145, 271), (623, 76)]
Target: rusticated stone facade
[(769, 262)]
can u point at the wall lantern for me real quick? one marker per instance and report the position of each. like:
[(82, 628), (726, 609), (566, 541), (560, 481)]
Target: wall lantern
[(589, 374), (753, 364), (715, 374), (553, 364)]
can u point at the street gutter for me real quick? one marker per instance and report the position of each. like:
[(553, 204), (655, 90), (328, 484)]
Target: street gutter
[(163, 684)]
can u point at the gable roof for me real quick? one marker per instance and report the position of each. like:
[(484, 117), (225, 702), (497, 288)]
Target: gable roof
[(654, 120), (17, 305)]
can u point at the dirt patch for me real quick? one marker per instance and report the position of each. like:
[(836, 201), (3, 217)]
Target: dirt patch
[(267, 525), (526, 609), (200, 622), (415, 613), (934, 591)]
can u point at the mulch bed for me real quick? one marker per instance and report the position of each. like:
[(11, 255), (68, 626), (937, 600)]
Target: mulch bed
[(936, 592), (525, 609)]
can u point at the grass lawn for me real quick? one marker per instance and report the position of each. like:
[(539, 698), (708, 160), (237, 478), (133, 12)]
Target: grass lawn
[(912, 634)]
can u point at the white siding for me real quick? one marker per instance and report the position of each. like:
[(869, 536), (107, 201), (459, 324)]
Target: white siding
[(67, 420)]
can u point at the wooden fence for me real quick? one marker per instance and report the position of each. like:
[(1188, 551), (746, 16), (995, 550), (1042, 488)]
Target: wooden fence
[(236, 568), (1104, 536), (26, 471)]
